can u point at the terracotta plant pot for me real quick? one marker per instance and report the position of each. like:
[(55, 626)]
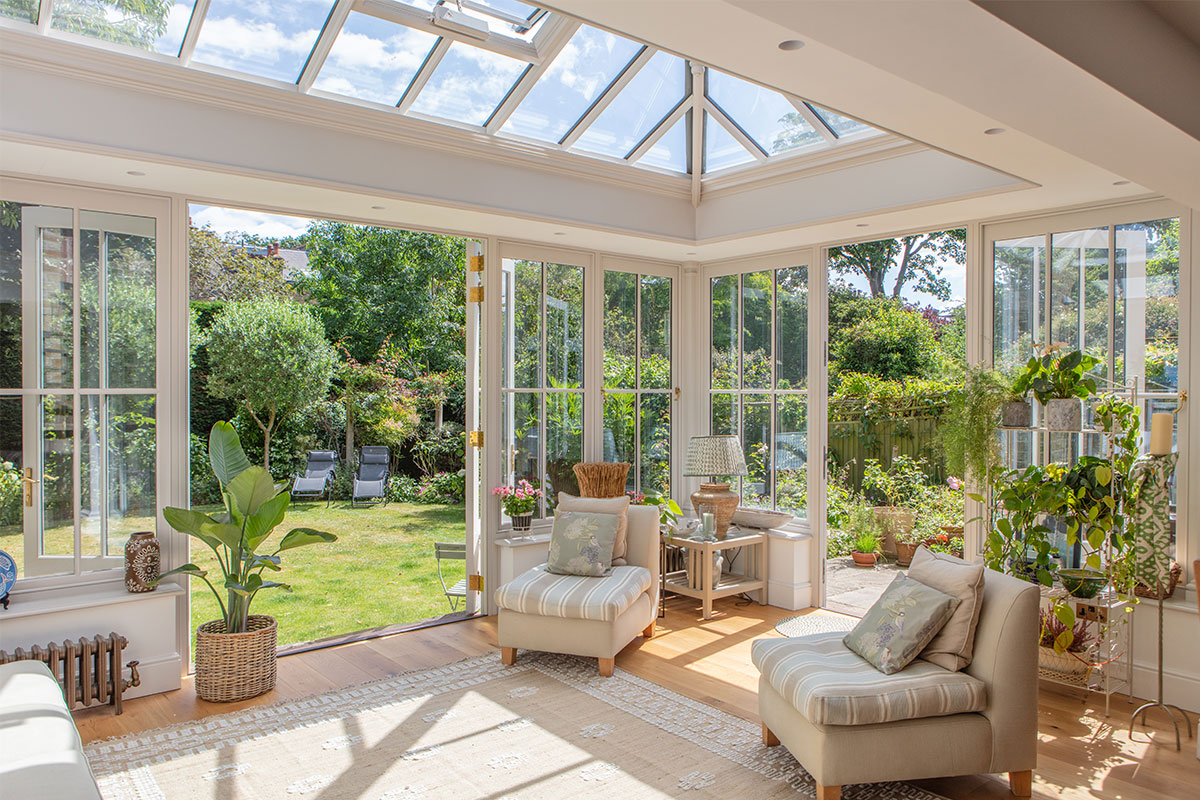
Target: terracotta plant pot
[(895, 520), (863, 559), (1016, 414), (905, 552), (1064, 414)]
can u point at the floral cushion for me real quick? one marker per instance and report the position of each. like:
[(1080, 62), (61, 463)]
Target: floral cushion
[(581, 543), (903, 620)]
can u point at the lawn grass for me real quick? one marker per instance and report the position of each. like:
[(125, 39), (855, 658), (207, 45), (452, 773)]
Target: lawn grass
[(380, 571)]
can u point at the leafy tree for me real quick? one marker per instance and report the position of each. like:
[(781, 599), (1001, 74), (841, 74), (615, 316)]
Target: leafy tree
[(915, 260), (271, 356), (137, 23), (892, 343), (372, 396), (223, 270)]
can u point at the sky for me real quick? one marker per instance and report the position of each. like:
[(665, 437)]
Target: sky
[(951, 271)]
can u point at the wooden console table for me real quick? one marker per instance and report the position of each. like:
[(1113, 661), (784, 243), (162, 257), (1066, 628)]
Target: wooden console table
[(697, 581)]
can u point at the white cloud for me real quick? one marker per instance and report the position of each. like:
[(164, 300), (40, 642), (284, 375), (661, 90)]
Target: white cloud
[(236, 220)]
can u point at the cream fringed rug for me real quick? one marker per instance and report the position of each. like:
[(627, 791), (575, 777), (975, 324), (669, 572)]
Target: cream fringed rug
[(548, 727)]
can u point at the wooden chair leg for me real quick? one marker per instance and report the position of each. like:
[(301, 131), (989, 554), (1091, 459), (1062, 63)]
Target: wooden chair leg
[(829, 792), (606, 666), (649, 630), (508, 655), (1021, 783), (769, 739)]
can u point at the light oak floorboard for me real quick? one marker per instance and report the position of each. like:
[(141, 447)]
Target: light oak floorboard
[(1081, 754)]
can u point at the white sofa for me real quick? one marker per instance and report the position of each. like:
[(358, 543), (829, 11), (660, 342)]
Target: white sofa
[(41, 755), (585, 616)]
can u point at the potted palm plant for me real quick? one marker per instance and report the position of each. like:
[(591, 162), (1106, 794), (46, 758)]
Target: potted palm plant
[(235, 655)]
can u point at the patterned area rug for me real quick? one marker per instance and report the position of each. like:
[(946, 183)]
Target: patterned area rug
[(549, 727), (804, 624)]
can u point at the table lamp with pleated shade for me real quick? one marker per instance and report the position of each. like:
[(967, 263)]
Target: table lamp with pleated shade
[(709, 457)]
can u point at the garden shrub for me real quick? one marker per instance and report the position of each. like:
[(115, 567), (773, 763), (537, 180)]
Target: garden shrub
[(11, 511), (892, 343)]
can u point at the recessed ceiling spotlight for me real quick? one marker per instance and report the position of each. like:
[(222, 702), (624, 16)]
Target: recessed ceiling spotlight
[(559, 233), (1120, 183), (860, 225), (378, 208), (790, 45), (691, 253), (137, 173), (994, 131)]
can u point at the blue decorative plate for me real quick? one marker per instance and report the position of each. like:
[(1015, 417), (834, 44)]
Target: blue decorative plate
[(8, 573)]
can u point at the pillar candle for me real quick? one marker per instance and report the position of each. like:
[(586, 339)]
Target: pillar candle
[(1161, 425)]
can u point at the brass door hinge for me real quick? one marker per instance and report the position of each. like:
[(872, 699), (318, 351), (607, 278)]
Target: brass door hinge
[(475, 438), (475, 583), (475, 263), (475, 294)]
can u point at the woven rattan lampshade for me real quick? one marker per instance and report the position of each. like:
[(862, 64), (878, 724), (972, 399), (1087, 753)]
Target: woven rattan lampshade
[(714, 455)]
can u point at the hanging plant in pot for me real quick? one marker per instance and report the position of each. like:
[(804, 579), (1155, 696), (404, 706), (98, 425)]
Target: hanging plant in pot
[(235, 655), (1060, 382)]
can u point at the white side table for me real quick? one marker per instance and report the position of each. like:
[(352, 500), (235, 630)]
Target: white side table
[(698, 580)]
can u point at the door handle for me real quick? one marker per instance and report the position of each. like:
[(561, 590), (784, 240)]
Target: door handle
[(29, 481)]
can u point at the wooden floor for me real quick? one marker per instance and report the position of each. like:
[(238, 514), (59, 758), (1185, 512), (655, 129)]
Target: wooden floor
[(1081, 754)]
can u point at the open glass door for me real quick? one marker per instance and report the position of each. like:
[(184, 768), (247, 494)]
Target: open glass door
[(475, 496)]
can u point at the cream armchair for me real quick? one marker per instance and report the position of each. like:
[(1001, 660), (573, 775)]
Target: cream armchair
[(848, 723), (585, 616)]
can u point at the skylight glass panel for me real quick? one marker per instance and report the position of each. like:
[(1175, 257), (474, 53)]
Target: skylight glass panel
[(765, 115), (23, 10), (156, 26), (468, 84), (721, 150), (845, 127), (669, 152), (373, 59), (649, 97), (584, 68), (269, 38)]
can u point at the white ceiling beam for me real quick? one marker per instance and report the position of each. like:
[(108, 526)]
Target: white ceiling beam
[(45, 12), (316, 59), (735, 130), (564, 29), (607, 96), (659, 131), (697, 141), (192, 35), (827, 133), (423, 21), (424, 74)]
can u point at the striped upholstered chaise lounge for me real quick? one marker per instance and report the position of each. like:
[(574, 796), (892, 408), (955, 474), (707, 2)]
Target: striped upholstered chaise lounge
[(584, 616), (846, 722)]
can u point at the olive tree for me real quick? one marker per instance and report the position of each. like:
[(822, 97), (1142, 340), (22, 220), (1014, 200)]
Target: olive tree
[(271, 357)]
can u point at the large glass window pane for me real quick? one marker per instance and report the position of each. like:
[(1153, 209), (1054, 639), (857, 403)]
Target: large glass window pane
[(584, 68), (522, 315), (845, 127), (671, 151), (157, 26), (21, 10), (791, 328), (620, 330), (564, 326), (131, 480), (1079, 261), (723, 414), (655, 370), (649, 97), (620, 429), (17, 260), (756, 440), (725, 332), (564, 443), (522, 435), (1147, 330), (765, 115), (468, 84), (721, 150), (268, 38), (655, 461), (12, 466), (53, 243), (1018, 268), (373, 59), (91, 476), (791, 453), (756, 330), (57, 486)]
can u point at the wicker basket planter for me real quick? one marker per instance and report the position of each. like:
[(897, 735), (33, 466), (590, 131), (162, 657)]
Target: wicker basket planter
[(235, 666), (602, 479), (1061, 663)]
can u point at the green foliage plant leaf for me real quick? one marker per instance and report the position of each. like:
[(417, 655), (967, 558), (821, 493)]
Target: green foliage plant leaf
[(304, 536), (225, 453), (249, 490), (259, 525)]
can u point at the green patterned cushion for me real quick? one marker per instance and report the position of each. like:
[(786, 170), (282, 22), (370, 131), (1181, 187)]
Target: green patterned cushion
[(581, 543), (896, 629)]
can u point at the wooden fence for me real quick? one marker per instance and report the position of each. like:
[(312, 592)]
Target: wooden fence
[(861, 429)]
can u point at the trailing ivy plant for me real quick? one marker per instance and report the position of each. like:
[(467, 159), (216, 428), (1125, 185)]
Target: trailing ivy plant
[(254, 507)]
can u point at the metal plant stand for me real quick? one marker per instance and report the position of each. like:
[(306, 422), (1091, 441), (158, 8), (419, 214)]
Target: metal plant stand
[(1170, 708)]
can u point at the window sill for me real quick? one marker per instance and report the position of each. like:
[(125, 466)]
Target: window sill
[(522, 540), (32, 604)]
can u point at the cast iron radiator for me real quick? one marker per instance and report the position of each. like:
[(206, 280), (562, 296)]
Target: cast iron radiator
[(89, 670)]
